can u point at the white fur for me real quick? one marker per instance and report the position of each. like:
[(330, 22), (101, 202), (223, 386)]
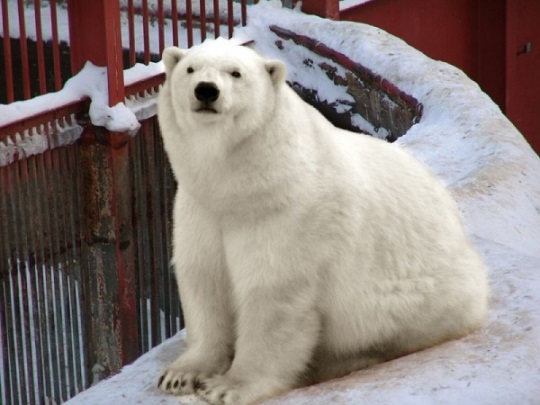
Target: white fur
[(302, 252)]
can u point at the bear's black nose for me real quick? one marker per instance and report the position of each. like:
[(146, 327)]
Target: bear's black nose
[(206, 92)]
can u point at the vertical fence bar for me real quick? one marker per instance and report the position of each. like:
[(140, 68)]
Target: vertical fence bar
[(7, 382), (131, 28), (243, 11), (174, 18), (15, 287), (69, 191), (3, 270), (59, 272), (146, 34), (189, 23), (113, 49), (10, 375), (39, 259), (216, 19), (4, 386), (71, 169), (161, 26), (230, 17), (24, 51), (34, 357), (202, 18), (25, 287), (150, 177), (13, 319), (166, 294), (55, 46), (7, 53), (39, 46), (160, 240), (48, 330), (139, 167), (55, 323)]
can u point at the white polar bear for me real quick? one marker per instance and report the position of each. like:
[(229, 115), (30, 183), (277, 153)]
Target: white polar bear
[(302, 252)]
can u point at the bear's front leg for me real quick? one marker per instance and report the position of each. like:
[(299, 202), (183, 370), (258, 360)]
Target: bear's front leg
[(277, 322), (204, 287)]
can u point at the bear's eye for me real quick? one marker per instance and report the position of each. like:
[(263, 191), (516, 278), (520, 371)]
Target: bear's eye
[(236, 74), (190, 70)]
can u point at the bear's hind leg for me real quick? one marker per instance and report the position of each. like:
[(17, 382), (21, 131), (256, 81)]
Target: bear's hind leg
[(326, 366)]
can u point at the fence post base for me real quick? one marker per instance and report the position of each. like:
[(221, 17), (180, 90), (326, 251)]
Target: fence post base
[(109, 289)]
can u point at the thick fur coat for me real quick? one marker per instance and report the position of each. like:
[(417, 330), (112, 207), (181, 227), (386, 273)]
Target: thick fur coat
[(302, 252)]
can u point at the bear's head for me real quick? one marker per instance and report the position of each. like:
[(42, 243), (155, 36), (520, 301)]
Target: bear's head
[(220, 83)]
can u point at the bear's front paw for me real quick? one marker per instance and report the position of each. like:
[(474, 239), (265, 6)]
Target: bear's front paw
[(179, 381), (227, 390), (220, 390)]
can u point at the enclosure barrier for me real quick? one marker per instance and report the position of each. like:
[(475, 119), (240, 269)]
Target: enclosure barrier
[(85, 285)]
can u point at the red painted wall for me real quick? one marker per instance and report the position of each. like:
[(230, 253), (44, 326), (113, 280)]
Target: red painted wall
[(481, 37), (442, 29), (491, 50), (523, 68)]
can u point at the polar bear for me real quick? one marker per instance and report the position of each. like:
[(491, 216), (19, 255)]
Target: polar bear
[(302, 251)]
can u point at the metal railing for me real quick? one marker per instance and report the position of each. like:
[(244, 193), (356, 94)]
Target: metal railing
[(85, 285), (43, 62), (32, 50), (42, 326)]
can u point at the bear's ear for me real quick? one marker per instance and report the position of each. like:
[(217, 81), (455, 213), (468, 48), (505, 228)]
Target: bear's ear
[(171, 56), (277, 70)]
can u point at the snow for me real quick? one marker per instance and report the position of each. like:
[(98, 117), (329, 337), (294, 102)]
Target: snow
[(90, 82), (495, 177), (346, 4)]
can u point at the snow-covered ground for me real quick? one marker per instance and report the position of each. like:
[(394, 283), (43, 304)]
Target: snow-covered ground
[(493, 174)]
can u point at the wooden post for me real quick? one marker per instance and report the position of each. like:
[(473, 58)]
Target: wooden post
[(322, 8), (109, 276)]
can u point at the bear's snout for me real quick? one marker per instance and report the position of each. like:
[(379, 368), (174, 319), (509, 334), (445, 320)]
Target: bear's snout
[(206, 92)]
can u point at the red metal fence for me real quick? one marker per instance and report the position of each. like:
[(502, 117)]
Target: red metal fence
[(85, 285), (32, 66), (44, 61)]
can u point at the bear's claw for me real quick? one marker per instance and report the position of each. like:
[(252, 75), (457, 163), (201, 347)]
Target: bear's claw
[(178, 382)]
